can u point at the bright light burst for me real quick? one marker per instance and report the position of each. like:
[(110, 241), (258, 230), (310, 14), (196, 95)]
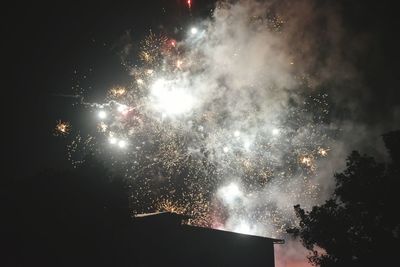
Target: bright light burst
[(230, 193), (112, 140), (275, 131), (193, 138), (122, 143), (169, 99), (243, 228), (194, 30), (102, 114)]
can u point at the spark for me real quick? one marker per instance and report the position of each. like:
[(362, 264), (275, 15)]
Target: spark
[(62, 128), (308, 161), (102, 114), (323, 151), (151, 48), (275, 131), (194, 30), (247, 144), (117, 91), (122, 109), (103, 127), (179, 64), (112, 140), (169, 206), (122, 143), (169, 99)]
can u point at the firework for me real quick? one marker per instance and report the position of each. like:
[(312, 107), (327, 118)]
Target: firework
[(194, 30), (168, 99), (307, 161), (102, 114), (323, 151), (152, 48), (169, 206), (275, 131), (215, 147), (117, 92), (102, 127), (79, 148), (62, 128)]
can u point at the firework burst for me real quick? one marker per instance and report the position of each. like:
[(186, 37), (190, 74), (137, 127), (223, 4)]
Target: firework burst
[(62, 128), (192, 138)]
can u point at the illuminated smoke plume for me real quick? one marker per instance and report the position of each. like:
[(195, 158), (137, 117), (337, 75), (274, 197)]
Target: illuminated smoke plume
[(231, 124)]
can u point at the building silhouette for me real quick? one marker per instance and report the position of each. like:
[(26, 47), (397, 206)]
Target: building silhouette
[(162, 240)]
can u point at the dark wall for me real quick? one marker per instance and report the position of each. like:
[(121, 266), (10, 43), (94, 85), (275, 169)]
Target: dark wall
[(158, 244)]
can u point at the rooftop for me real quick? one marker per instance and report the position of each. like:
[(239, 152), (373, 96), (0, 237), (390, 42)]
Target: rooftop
[(170, 218)]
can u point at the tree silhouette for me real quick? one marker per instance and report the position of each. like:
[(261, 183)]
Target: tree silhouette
[(358, 225)]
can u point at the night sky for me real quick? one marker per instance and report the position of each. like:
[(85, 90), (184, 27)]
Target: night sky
[(348, 51), (49, 43)]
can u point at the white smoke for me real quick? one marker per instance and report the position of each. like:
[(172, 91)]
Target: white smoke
[(247, 72), (250, 66)]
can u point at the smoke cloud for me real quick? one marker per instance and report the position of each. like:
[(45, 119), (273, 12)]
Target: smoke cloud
[(257, 111)]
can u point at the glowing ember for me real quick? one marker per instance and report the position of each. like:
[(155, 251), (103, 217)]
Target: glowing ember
[(62, 128)]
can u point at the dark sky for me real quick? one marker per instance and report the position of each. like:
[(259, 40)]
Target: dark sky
[(47, 43)]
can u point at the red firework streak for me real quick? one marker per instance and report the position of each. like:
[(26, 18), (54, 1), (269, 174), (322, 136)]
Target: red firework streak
[(189, 3)]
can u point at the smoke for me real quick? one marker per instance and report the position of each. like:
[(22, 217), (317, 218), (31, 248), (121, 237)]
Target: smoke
[(257, 57), (292, 254), (252, 112)]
